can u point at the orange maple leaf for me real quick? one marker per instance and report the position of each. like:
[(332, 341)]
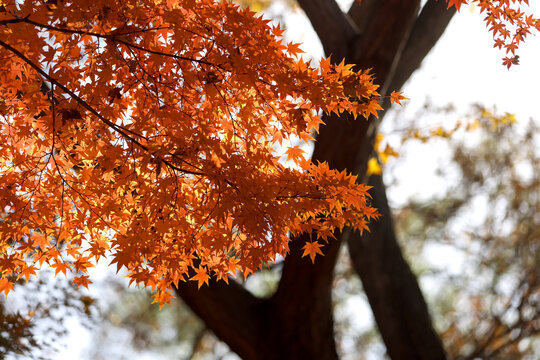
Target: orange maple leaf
[(201, 276), (5, 285), (456, 3), (396, 97), (26, 273), (82, 280), (294, 153), (312, 248)]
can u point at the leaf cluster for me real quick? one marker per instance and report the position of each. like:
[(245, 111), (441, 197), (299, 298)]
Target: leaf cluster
[(146, 132), (508, 21)]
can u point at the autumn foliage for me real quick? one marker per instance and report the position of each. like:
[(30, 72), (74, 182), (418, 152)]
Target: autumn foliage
[(509, 23), (149, 132), (159, 134)]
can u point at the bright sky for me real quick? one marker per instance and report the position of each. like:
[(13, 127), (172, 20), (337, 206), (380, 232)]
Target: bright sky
[(462, 69)]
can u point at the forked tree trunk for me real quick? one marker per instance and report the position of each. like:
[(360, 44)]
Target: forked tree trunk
[(391, 37)]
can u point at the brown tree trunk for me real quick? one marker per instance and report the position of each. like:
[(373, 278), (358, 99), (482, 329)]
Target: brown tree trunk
[(392, 289), (392, 38)]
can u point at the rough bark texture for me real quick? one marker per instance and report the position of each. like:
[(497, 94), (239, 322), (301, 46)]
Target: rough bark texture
[(392, 289), (231, 312), (391, 37)]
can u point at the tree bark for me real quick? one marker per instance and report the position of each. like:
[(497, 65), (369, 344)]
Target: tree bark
[(392, 289), (302, 322), (231, 312), (390, 30)]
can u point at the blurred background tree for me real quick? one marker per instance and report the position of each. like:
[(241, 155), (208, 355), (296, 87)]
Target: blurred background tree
[(35, 321)]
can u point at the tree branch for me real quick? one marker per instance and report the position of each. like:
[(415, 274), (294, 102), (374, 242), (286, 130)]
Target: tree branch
[(427, 29), (333, 27), (386, 32), (360, 13), (230, 311)]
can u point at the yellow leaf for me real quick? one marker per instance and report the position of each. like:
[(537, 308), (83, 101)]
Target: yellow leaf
[(373, 167)]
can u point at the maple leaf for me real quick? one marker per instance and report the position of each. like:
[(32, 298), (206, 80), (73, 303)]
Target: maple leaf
[(82, 280), (396, 97), (60, 267), (312, 248), (373, 167), (456, 3), (26, 273), (509, 61), (294, 48), (201, 276), (5, 285), (325, 233), (295, 153), (163, 297)]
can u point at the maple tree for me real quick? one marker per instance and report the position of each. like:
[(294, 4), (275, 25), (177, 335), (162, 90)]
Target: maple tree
[(148, 130), (145, 131)]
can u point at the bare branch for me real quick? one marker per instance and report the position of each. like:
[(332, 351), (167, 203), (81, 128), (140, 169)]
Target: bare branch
[(360, 13), (333, 27), (427, 29), (230, 311)]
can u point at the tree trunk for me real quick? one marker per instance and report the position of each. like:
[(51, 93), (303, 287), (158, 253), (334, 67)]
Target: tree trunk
[(392, 289)]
